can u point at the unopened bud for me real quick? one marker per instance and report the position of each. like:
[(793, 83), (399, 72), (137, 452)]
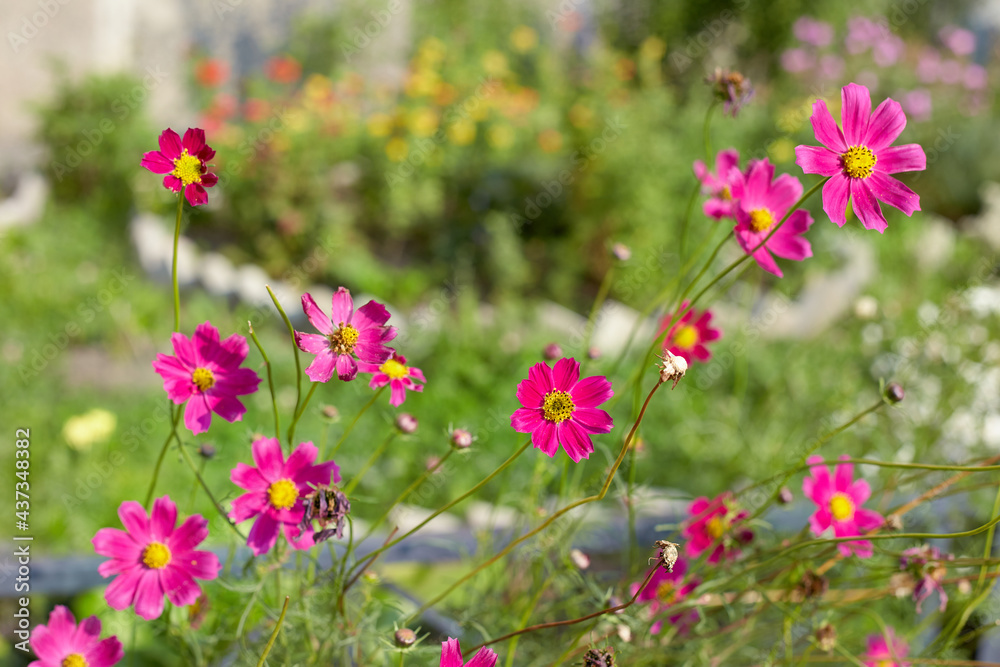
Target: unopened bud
[(406, 422), (621, 252), (894, 392), (552, 351), (600, 657), (461, 439), (405, 638), (580, 559), (785, 496), (206, 450), (593, 353), (331, 413), (826, 637), (673, 367)]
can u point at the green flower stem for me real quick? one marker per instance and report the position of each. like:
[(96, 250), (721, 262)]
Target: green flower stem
[(707, 132), (350, 427), (451, 503), (301, 411), (208, 492), (686, 222), (270, 384), (583, 501), (602, 295), (175, 410), (173, 268), (295, 349), (274, 634), (369, 463), (417, 482)]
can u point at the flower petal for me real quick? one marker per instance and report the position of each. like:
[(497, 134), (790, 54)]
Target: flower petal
[(172, 183), (347, 368), (593, 420), (544, 438), (189, 534), (826, 129), (163, 519), (866, 205), (894, 193), (170, 144), (372, 314), (197, 415), (316, 318), (179, 587), (249, 505), (121, 591), (574, 440), (301, 458), (817, 160), (322, 367), (200, 564), (835, 194), (566, 373), (269, 459), (484, 658), (194, 140), (135, 520), (156, 162), (855, 110), (105, 653), (149, 595), (342, 307), (894, 159), (451, 654), (263, 535), (526, 420), (116, 544), (195, 194), (885, 125)]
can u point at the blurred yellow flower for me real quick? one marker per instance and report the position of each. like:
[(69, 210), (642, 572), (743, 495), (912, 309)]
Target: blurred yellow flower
[(422, 82), (445, 94), (431, 52), (84, 431), (318, 87), (397, 149), (423, 122), (379, 124), (652, 48), (781, 150), (462, 132), (500, 136), (494, 62), (581, 116), (296, 119), (523, 39), (550, 140)]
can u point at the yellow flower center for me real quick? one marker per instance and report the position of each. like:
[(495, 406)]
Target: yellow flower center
[(156, 556), (282, 494), (666, 592), (686, 337), (716, 527), (841, 506), (761, 219), (343, 339), (75, 660), (187, 168), (203, 379), (394, 369), (858, 161), (726, 194), (886, 663), (558, 406)]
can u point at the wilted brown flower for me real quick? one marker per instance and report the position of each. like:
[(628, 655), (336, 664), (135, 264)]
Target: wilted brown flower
[(600, 657), (731, 88)]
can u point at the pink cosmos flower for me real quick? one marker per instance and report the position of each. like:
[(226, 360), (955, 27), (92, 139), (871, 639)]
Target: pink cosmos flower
[(887, 50), (929, 66), (886, 654), (830, 66), (665, 590), (797, 60), (688, 335), (975, 77), (561, 409), (917, 104), (962, 42), (864, 33), (276, 489), (154, 558), (838, 505), (715, 523), (64, 644), (860, 159), (185, 163), (346, 334), (451, 656), (395, 373), (206, 373), (763, 203), (810, 31), (719, 184)]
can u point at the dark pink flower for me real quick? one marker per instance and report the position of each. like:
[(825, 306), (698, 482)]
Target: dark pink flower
[(688, 335), (715, 524), (718, 184), (207, 374), (763, 203), (561, 409), (838, 506), (882, 653), (665, 590), (276, 489), (860, 159), (346, 334), (395, 373), (62, 643), (926, 565), (451, 656), (154, 558), (185, 164)]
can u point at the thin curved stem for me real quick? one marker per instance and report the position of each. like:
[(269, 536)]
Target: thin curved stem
[(173, 267), (350, 427), (295, 349), (602, 295), (417, 482), (274, 634), (369, 463), (208, 492), (301, 411), (270, 384), (175, 410)]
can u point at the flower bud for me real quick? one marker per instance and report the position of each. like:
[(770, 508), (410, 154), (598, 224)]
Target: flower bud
[(594, 353), (406, 422), (621, 252), (405, 638), (206, 450), (785, 496), (894, 392), (461, 439), (331, 413), (580, 559), (552, 351)]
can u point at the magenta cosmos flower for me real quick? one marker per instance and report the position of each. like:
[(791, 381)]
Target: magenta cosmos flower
[(688, 335), (860, 159), (185, 163), (764, 201), (718, 185), (395, 373), (838, 505), (346, 334), (926, 565), (276, 489), (560, 409), (153, 558), (665, 590), (882, 653), (451, 656), (206, 373), (64, 644), (715, 524)]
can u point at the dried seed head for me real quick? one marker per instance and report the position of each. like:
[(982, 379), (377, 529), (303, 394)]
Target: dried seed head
[(328, 506), (731, 88), (826, 637), (600, 657), (405, 638), (666, 554), (673, 367), (406, 422), (894, 522), (812, 585), (894, 392)]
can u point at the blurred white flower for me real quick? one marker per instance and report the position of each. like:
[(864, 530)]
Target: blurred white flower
[(84, 431)]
